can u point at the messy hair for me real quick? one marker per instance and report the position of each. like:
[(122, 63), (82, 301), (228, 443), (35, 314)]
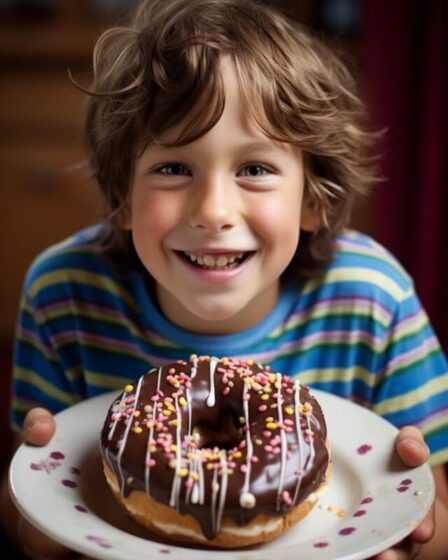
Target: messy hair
[(164, 69)]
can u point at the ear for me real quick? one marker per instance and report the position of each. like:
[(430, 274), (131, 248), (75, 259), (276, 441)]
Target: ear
[(310, 218), (124, 217)]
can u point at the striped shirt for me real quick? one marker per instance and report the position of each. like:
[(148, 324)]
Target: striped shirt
[(358, 331)]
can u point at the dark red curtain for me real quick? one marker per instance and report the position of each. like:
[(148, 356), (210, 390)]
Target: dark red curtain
[(406, 64)]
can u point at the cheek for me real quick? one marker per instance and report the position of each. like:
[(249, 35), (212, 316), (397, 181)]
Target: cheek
[(279, 222), (153, 215)]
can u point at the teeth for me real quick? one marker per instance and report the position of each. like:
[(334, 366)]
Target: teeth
[(212, 261)]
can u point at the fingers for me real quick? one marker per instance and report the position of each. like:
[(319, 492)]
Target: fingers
[(411, 447), (425, 531), (39, 426)]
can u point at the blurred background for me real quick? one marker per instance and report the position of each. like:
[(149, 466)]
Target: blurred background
[(398, 50)]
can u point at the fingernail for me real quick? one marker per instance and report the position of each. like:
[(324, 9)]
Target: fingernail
[(36, 422)]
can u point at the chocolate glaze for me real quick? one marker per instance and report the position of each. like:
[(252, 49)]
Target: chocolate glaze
[(275, 459)]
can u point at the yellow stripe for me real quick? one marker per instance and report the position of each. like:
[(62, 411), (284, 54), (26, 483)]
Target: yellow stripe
[(345, 274), (81, 277), (327, 375), (396, 404), (334, 309), (32, 378), (106, 381), (438, 458)]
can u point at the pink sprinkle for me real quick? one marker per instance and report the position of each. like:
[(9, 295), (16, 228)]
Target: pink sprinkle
[(172, 371), (268, 448), (287, 498), (243, 468), (226, 391), (246, 397), (151, 463), (267, 433), (367, 500), (188, 484), (254, 459), (262, 408)]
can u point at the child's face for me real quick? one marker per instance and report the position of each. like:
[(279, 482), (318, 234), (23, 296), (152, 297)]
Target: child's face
[(217, 221)]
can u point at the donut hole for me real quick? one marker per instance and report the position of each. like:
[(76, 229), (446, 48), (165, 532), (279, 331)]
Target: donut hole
[(226, 435)]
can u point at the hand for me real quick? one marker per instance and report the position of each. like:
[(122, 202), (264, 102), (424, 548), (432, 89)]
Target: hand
[(39, 427), (413, 451)]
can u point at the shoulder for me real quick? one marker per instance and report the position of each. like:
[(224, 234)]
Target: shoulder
[(369, 266), (77, 260)]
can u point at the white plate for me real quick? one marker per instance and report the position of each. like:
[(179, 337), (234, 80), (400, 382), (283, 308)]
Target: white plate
[(371, 503)]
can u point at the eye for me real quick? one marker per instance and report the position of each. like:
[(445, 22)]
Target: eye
[(254, 170), (172, 169)]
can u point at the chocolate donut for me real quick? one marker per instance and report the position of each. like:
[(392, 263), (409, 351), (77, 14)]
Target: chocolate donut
[(222, 452)]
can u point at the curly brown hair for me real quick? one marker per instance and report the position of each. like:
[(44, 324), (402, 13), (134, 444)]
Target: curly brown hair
[(164, 68)]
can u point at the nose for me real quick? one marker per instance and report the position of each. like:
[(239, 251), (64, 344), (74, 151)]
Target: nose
[(213, 206)]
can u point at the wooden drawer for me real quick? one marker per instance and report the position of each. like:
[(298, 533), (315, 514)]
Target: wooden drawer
[(43, 200)]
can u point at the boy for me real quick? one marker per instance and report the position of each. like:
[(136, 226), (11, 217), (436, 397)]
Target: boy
[(229, 147)]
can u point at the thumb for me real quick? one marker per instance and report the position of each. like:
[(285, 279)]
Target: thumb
[(39, 426), (411, 446)]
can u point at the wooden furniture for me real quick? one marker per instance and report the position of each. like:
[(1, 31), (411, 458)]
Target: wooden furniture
[(44, 195)]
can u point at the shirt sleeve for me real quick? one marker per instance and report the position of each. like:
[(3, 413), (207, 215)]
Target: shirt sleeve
[(412, 382), (38, 376)]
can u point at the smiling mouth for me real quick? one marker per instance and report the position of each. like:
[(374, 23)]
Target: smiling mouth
[(221, 261)]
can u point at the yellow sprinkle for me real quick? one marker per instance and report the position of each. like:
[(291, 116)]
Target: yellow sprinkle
[(128, 388), (137, 430), (258, 441), (166, 412), (250, 362), (137, 413), (271, 426), (237, 454), (269, 419), (264, 397), (152, 448), (182, 401), (174, 422), (242, 420), (341, 512), (173, 447), (289, 410), (210, 466), (194, 475), (272, 377), (183, 472)]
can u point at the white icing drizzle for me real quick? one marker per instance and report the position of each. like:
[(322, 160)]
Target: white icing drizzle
[(222, 487), (177, 479), (126, 435), (249, 446), (300, 439), (150, 436), (211, 396), (215, 489), (194, 367), (282, 437)]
